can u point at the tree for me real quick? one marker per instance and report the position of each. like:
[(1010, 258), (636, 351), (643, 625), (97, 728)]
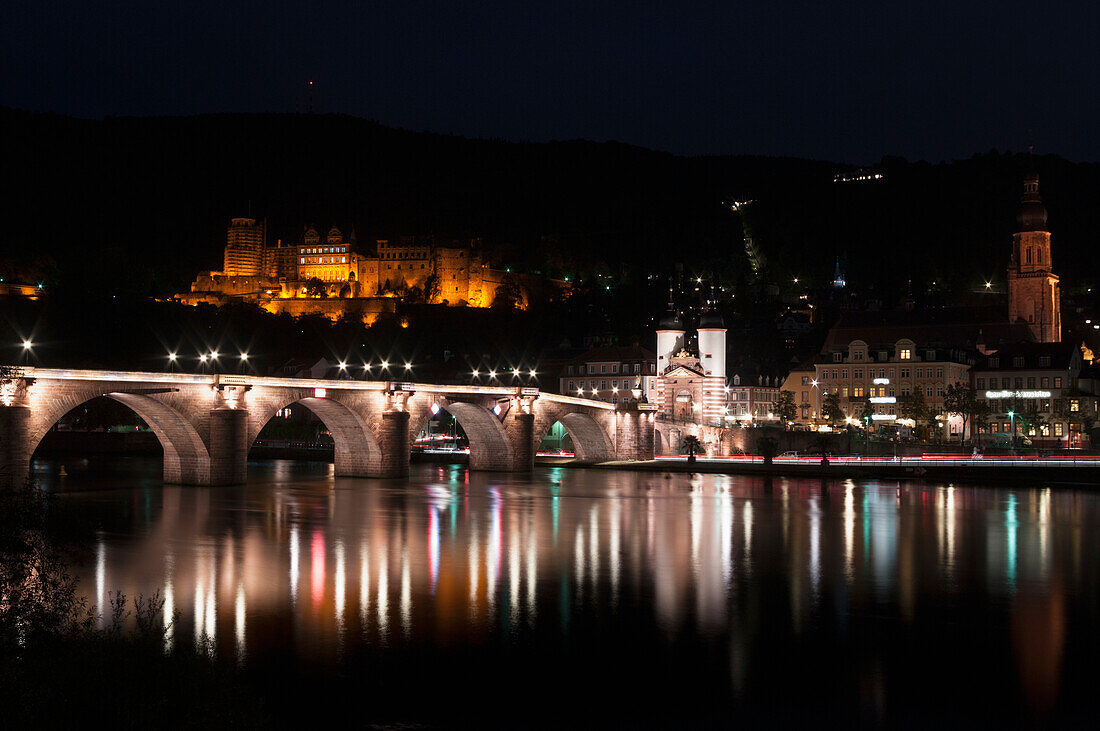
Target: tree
[(315, 287), (981, 419), (786, 409), (1031, 418), (768, 447), (508, 294), (916, 409), (692, 444), (432, 288), (960, 399), (831, 409)]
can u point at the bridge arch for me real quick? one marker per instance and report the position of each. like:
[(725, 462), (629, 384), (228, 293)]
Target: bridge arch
[(590, 441), (186, 458), (490, 447), (660, 442), (356, 450)]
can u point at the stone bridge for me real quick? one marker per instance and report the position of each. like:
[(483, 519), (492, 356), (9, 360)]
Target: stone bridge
[(207, 423)]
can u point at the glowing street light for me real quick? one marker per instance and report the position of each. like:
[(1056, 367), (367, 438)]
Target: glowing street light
[(244, 356), (492, 374), (385, 365), (27, 345), (214, 355), (515, 371), (202, 357), (533, 373), (474, 373), (988, 285), (343, 365), (172, 357), (408, 366)]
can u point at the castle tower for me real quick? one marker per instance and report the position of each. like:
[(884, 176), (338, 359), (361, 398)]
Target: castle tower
[(1033, 291), (244, 248), (712, 344)]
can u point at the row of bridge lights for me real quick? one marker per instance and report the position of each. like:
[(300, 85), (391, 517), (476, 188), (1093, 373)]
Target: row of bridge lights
[(492, 373), (343, 365)]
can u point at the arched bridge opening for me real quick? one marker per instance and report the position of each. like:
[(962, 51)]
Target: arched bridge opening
[(283, 427), (185, 456)]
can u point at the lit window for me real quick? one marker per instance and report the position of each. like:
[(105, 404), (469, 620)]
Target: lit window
[(906, 354)]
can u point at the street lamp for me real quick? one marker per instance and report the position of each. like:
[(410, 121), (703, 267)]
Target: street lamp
[(1012, 420)]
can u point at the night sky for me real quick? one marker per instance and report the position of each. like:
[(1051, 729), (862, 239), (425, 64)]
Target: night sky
[(841, 81)]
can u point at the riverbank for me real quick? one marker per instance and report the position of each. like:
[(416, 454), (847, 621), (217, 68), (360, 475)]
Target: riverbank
[(1085, 472)]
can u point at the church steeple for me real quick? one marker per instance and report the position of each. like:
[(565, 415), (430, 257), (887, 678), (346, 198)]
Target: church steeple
[(1033, 291), (1033, 214)]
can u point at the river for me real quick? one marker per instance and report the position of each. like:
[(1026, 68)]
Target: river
[(599, 598)]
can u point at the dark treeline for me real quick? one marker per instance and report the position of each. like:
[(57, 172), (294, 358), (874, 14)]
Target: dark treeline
[(128, 205)]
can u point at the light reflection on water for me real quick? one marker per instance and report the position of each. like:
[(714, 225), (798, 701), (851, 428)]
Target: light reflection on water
[(321, 567)]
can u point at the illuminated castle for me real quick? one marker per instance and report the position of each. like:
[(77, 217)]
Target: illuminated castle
[(329, 269)]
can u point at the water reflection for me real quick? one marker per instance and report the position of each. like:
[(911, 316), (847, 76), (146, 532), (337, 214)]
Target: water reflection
[(326, 565)]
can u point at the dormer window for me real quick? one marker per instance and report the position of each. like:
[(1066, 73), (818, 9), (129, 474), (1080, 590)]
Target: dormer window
[(1018, 361), (838, 357), (905, 354)]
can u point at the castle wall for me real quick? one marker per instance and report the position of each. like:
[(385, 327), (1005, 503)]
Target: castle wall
[(226, 284), (368, 309)]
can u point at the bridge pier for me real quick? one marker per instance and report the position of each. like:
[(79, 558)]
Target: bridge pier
[(15, 456), (393, 443), (228, 447), (633, 433), (523, 445)]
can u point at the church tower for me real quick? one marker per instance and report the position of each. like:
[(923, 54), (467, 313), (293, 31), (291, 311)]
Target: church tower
[(1033, 293)]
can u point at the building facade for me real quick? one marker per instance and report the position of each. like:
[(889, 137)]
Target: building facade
[(610, 373), (1044, 391), (752, 400), (885, 377)]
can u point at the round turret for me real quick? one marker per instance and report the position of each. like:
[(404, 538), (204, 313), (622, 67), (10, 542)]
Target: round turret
[(671, 321), (711, 318)]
